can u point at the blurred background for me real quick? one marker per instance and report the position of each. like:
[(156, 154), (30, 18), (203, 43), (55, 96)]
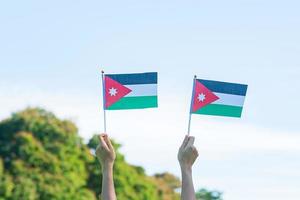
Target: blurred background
[(52, 52)]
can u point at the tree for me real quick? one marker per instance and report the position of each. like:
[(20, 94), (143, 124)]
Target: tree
[(42, 157), (6, 184), (167, 184), (131, 182), (204, 194)]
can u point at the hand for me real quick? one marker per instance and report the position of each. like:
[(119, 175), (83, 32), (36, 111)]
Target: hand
[(187, 153), (105, 151)]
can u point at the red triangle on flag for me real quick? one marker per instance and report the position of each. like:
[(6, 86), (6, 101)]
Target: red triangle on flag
[(202, 96), (114, 91)]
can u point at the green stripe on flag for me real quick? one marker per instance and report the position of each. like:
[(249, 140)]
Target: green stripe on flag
[(221, 110), (134, 103)]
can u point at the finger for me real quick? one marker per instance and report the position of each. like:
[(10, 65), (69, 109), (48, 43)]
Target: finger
[(102, 142), (108, 142), (101, 135), (190, 142), (195, 151), (184, 141)]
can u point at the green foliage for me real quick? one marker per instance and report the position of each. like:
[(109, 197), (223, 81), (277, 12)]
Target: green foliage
[(24, 189), (6, 184), (1, 167), (208, 195), (167, 184), (131, 182), (42, 157)]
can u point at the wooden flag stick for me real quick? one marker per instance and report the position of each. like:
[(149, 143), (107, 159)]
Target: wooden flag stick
[(191, 108), (189, 126), (103, 94)]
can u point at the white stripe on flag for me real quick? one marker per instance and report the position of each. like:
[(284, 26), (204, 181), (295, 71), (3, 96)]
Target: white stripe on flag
[(229, 99), (142, 90)]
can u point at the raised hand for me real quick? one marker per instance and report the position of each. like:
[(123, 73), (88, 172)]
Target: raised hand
[(105, 151), (106, 155), (187, 153)]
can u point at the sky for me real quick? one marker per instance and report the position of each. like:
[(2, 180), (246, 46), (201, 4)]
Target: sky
[(51, 54)]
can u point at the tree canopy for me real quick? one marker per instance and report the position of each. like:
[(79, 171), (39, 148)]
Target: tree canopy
[(204, 194), (43, 157)]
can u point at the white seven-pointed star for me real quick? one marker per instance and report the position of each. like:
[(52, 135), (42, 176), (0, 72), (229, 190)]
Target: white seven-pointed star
[(201, 97), (113, 91)]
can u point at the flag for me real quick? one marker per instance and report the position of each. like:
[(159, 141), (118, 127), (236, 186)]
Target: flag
[(218, 98), (130, 91)]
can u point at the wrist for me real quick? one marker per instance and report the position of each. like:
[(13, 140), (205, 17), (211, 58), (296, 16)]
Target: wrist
[(107, 166), (186, 168), (186, 172)]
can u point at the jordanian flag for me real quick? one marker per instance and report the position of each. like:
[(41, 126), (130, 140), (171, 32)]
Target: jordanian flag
[(218, 98), (130, 91)]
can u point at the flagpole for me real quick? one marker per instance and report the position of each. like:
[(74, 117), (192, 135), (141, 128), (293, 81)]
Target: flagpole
[(189, 126), (103, 94), (191, 109)]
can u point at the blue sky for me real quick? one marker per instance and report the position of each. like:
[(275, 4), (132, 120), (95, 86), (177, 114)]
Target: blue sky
[(52, 53)]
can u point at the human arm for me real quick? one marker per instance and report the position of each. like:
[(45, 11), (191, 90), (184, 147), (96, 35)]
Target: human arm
[(187, 155), (106, 155)]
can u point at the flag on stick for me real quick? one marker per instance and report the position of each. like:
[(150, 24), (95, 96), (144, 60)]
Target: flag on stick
[(130, 91), (218, 98)]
